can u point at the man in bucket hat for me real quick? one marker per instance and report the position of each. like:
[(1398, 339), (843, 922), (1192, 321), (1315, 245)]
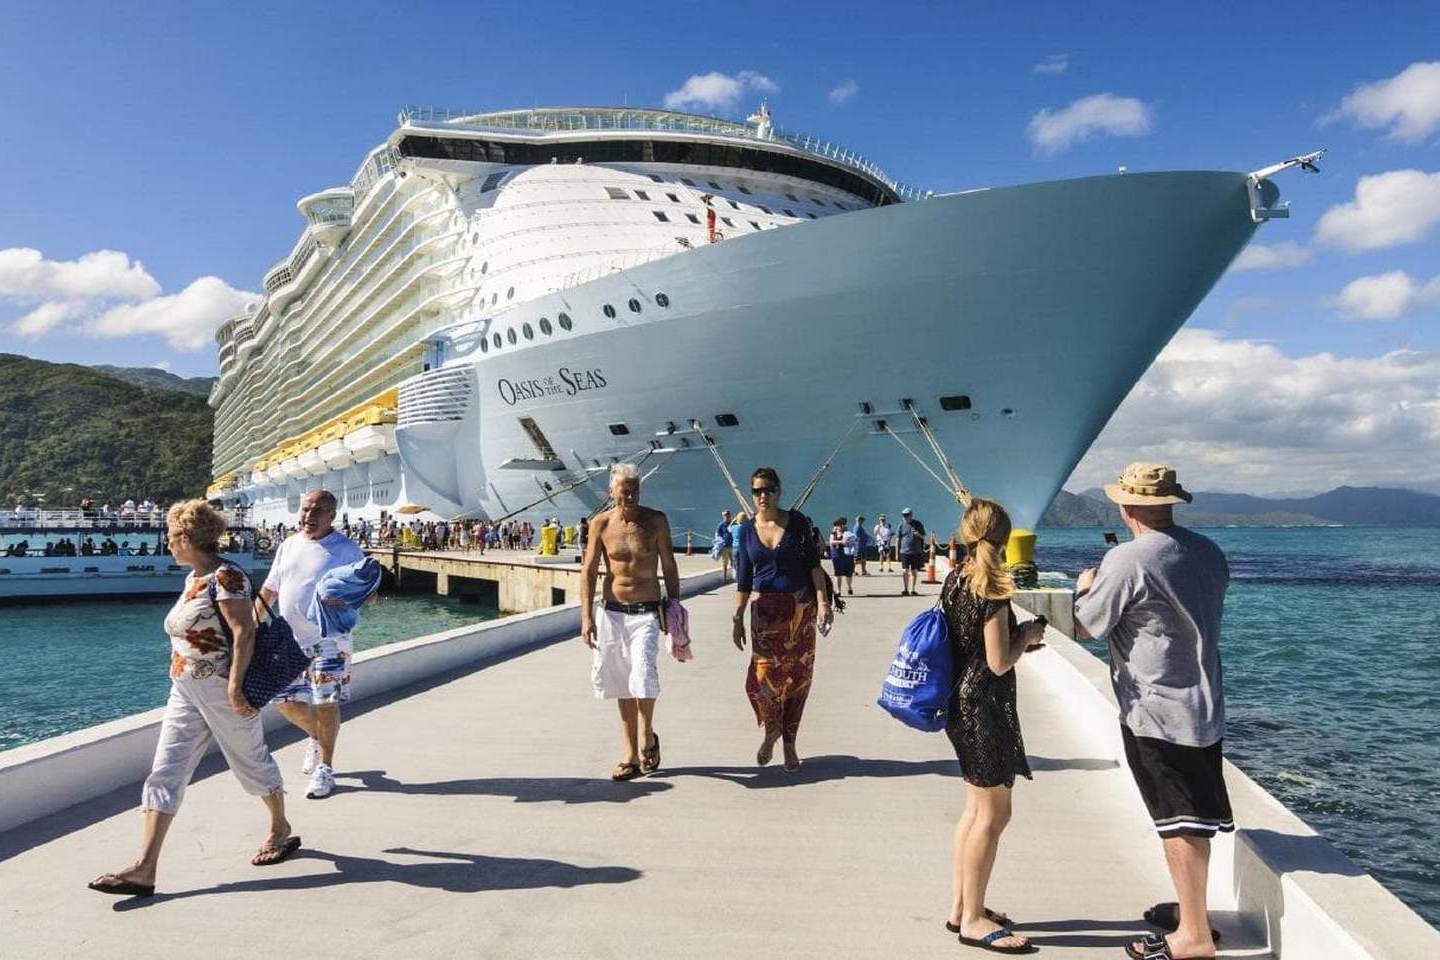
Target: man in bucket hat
[(1158, 600)]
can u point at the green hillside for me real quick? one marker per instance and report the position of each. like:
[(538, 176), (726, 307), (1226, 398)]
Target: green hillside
[(69, 432), (153, 378)]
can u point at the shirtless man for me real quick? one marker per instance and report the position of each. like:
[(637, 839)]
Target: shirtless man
[(623, 630)]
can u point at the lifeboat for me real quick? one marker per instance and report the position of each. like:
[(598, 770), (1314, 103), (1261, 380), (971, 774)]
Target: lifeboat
[(290, 462), (276, 472), (370, 434), (311, 462), (333, 451)]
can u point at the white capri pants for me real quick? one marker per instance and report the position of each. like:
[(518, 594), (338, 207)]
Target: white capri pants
[(197, 711)]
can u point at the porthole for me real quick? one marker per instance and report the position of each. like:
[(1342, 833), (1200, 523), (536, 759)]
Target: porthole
[(497, 341), (485, 267), (510, 334), (475, 238), (742, 188), (619, 429), (545, 327), (510, 294), (642, 195), (789, 212), (634, 305), (484, 345), (662, 300), (564, 321), (960, 402), (609, 311), (727, 420), (494, 298), (528, 331)]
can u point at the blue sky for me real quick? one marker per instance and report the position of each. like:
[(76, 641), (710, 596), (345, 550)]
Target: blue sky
[(180, 136)]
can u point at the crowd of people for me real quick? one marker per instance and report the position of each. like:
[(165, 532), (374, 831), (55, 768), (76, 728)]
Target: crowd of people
[(1157, 599)]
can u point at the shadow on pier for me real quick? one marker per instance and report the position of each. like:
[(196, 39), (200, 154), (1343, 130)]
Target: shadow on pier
[(451, 872)]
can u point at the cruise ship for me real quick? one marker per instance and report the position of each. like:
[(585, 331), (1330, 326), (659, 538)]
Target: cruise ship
[(499, 306)]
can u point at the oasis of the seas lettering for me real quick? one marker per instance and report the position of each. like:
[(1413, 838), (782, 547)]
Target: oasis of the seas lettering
[(565, 383)]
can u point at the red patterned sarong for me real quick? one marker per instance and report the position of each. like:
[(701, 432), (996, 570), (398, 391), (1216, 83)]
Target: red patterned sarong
[(782, 661)]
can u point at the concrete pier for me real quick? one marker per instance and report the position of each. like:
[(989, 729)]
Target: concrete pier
[(475, 818)]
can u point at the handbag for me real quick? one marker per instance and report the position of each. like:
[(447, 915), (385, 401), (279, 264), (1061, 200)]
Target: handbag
[(277, 659), (917, 689)]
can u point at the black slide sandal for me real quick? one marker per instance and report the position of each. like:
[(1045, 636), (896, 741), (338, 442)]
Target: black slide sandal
[(121, 888), (1166, 916)]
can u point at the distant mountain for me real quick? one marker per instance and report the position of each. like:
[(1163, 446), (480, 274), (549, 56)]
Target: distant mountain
[(153, 378), (1360, 506), (69, 432)]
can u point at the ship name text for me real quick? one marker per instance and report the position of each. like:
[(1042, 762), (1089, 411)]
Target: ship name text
[(565, 383)]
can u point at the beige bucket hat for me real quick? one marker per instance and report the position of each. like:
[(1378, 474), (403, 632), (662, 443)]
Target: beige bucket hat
[(1147, 484)]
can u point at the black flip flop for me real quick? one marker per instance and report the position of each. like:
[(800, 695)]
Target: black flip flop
[(987, 942), (1166, 916), (121, 888), (994, 916), (1157, 948), (280, 854), (650, 756)]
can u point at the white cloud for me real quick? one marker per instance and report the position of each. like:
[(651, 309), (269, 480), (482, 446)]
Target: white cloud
[(1279, 256), (842, 92), (187, 319), (44, 318), (1407, 103), (1389, 209), (1054, 64), (1234, 414), (1385, 296), (1052, 131), (101, 275), (718, 91), (108, 294)]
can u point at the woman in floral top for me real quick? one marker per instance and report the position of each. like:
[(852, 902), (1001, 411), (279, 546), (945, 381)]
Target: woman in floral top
[(206, 701)]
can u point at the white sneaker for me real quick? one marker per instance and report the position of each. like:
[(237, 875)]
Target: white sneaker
[(312, 757), (322, 782)]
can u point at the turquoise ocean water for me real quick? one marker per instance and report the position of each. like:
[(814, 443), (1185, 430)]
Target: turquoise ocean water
[(1331, 654), (64, 666)]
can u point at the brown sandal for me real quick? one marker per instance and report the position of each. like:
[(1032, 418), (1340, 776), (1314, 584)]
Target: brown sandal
[(269, 855), (650, 756), (625, 771)]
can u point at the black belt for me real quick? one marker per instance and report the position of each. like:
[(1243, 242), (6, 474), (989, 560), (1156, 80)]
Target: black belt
[(643, 606)]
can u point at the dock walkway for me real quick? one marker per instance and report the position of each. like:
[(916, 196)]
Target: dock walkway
[(475, 818)]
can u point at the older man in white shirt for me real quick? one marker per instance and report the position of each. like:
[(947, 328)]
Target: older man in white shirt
[(312, 703)]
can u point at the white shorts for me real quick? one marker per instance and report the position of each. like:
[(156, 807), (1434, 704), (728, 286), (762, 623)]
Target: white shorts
[(627, 650)]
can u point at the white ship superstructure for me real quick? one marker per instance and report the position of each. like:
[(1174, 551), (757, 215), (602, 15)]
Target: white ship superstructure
[(501, 305)]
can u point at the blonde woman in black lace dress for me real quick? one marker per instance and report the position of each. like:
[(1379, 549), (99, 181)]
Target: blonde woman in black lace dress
[(984, 726)]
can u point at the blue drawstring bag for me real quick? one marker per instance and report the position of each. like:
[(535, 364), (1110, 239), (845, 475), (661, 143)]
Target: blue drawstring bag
[(716, 547), (917, 689)]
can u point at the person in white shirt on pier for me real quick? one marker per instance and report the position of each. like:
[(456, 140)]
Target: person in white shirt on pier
[(312, 703)]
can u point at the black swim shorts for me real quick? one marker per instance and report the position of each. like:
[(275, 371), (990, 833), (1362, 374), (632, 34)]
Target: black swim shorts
[(1183, 787), (912, 561)]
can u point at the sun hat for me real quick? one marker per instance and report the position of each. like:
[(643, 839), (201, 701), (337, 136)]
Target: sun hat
[(1147, 484)]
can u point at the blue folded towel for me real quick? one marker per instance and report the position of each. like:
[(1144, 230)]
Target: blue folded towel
[(354, 583)]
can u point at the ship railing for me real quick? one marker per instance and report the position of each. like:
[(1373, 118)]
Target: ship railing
[(36, 519), (546, 121)]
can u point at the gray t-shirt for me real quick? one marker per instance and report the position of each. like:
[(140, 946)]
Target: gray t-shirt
[(1159, 600)]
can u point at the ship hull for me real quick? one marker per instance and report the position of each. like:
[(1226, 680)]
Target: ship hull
[(1042, 305)]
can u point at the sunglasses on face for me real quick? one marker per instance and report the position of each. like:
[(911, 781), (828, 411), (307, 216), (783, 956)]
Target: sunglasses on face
[(757, 491)]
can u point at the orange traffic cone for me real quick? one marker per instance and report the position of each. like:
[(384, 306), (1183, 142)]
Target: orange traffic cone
[(930, 568)]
